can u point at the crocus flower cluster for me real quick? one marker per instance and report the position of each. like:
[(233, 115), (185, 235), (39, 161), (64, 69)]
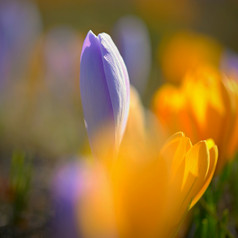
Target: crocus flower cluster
[(142, 190)]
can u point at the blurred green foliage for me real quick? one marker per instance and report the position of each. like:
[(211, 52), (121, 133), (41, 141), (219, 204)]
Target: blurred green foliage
[(20, 179), (216, 213)]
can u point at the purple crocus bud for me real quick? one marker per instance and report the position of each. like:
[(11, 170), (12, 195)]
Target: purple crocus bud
[(105, 89), (132, 38)]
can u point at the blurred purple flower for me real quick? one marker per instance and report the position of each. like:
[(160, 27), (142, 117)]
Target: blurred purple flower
[(62, 47), (66, 190), (20, 25), (229, 63), (104, 87), (61, 52), (132, 38)]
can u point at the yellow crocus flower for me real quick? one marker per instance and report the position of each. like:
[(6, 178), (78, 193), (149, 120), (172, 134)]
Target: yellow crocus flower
[(149, 195), (205, 106)]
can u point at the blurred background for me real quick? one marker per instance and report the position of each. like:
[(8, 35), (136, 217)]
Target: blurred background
[(41, 120)]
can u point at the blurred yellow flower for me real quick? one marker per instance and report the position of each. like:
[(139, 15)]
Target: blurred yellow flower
[(186, 51), (146, 195), (205, 106), (135, 128)]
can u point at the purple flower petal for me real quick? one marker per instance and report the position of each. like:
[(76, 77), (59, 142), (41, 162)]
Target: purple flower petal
[(117, 81)]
